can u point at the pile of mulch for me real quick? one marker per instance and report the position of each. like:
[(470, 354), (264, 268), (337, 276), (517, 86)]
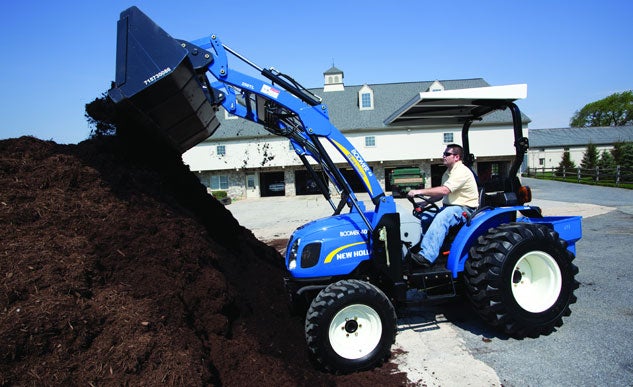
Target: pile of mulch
[(116, 267)]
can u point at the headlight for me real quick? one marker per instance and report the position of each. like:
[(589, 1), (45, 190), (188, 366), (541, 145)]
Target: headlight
[(292, 255)]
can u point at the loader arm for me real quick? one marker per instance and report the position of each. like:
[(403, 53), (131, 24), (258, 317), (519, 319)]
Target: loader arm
[(162, 83)]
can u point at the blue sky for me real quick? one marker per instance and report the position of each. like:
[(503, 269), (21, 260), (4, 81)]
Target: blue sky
[(60, 55)]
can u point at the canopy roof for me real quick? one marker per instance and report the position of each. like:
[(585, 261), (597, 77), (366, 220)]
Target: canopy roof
[(454, 107)]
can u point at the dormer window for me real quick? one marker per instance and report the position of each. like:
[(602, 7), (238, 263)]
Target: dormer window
[(366, 98), (436, 86)]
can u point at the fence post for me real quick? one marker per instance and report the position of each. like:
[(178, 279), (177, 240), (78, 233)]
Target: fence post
[(617, 176), (578, 175), (597, 173)]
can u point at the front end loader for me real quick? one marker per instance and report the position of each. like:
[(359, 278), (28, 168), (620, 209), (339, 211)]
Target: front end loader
[(348, 272)]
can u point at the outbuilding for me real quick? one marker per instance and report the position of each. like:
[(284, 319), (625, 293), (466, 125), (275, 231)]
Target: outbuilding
[(245, 160), (548, 145)]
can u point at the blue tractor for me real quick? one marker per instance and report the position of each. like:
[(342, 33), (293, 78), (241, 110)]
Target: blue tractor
[(348, 272)]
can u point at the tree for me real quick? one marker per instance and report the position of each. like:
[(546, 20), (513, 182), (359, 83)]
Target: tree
[(590, 158), (566, 164), (623, 154), (614, 110), (606, 160)]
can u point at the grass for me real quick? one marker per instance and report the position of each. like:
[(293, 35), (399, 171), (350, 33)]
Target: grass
[(605, 181)]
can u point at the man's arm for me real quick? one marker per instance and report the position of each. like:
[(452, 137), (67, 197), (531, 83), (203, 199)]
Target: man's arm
[(435, 193)]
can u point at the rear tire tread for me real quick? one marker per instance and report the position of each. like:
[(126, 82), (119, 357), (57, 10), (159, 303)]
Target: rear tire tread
[(485, 285)]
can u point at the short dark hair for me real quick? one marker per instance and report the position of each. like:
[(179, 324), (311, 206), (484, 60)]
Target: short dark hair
[(457, 149)]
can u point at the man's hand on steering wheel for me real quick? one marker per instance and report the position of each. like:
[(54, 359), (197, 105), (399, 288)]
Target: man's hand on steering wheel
[(427, 205)]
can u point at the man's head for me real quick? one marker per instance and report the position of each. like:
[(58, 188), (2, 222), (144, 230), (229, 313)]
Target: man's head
[(452, 154)]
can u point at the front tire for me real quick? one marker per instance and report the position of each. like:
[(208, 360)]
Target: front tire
[(520, 278), (350, 326)]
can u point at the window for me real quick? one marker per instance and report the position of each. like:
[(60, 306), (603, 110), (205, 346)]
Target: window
[(370, 141), (366, 98), (250, 181), (365, 101), (448, 138), (220, 150), (219, 182), (541, 161)]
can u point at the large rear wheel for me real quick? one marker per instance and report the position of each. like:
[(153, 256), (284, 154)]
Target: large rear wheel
[(350, 326), (520, 278)]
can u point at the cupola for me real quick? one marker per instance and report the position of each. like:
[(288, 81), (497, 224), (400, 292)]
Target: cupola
[(333, 80)]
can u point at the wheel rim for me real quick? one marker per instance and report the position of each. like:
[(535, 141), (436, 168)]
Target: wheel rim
[(355, 331), (536, 281)]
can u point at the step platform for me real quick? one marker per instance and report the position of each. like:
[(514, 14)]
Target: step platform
[(436, 282)]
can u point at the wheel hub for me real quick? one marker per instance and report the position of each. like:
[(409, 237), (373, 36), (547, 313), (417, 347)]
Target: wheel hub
[(351, 326), (355, 331), (536, 281)]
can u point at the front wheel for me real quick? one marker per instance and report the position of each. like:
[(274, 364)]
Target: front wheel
[(350, 326), (520, 278)]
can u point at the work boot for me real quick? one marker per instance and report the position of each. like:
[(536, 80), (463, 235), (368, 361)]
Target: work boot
[(419, 261)]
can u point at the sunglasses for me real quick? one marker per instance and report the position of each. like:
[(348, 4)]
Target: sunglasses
[(446, 154)]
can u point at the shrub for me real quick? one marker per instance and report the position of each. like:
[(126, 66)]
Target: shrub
[(219, 194)]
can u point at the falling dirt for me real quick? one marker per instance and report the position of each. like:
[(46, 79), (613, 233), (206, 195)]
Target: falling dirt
[(117, 268)]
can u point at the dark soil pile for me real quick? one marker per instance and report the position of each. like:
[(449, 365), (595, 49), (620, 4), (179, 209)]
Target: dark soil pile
[(116, 267)]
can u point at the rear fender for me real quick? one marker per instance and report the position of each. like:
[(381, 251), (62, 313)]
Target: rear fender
[(569, 229), (468, 234)]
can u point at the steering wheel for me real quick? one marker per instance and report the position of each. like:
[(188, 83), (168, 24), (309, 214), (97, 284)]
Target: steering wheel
[(427, 205)]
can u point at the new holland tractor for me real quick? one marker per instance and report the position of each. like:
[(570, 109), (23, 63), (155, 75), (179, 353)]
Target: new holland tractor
[(349, 272)]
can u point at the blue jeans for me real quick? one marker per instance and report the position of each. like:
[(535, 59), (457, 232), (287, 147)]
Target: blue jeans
[(435, 227)]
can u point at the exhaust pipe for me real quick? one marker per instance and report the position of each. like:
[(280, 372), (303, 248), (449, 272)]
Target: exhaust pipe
[(161, 83)]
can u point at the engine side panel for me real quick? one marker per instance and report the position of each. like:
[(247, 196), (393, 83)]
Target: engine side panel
[(344, 244)]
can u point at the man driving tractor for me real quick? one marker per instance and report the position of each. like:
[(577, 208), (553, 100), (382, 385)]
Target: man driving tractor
[(459, 193)]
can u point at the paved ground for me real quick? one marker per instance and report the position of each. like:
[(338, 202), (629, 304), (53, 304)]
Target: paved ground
[(277, 217), (438, 350)]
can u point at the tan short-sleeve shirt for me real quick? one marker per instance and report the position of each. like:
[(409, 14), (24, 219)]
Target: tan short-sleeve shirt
[(461, 182)]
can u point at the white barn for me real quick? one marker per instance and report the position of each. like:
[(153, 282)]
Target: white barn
[(245, 160), (547, 145)]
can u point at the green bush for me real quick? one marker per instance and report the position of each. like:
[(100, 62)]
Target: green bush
[(219, 194)]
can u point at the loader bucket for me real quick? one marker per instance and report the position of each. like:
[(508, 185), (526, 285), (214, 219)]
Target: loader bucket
[(158, 87)]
